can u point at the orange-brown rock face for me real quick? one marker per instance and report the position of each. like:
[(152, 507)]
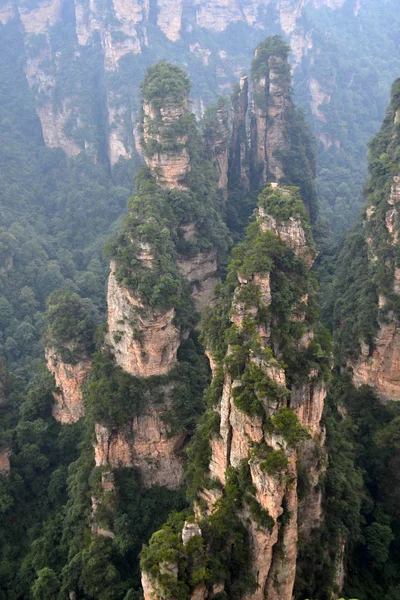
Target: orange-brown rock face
[(291, 233), (144, 443), (274, 551), (380, 367), (69, 405), (170, 166), (5, 466), (144, 342)]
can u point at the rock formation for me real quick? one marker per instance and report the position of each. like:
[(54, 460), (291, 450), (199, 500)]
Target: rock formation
[(271, 100), (239, 148), (68, 341), (69, 404), (159, 246), (267, 416), (117, 34), (216, 136), (378, 361), (144, 342), (144, 443), (165, 147)]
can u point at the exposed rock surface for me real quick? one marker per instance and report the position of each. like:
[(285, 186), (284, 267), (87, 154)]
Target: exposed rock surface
[(122, 29), (239, 149), (291, 233), (144, 342), (200, 271), (243, 438), (144, 443), (170, 166), (271, 99), (378, 364), (69, 405), (218, 146), (380, 367)]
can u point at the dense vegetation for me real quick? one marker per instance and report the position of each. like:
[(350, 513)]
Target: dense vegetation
[(360, 488), (55, 214), (367, 262), (360, 500)]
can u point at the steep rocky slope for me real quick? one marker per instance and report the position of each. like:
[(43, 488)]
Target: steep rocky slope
[(374, 352), (266, 404)]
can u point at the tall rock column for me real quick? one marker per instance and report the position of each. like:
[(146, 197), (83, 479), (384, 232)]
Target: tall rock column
[(165, 125), (266, 403), (271, 99), (164, 266), (216, 137), (239, 147), (68, 339)]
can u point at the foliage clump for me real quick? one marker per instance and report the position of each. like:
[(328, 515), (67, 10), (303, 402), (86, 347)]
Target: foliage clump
[(70, 325), (164, 84)]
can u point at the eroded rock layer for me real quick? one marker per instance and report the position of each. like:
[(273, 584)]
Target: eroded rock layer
[(144, 342)]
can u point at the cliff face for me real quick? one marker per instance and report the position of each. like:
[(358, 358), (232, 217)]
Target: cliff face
[(239, 149), (111, 37), (144, 443), (69, 404), (144, 342), (258, 395), (168, 158), (378, 360), (271, 100), (217, 134)]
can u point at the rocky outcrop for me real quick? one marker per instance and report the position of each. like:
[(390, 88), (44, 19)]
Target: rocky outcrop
[(248, 436), (169, 18), (218, 142), (144, 341), (69, 404), (291, 233), (200, 271), (144, 338), (378, 364), (239, 148), (379, 367), (271, 100), (166, 152), (144, 443)]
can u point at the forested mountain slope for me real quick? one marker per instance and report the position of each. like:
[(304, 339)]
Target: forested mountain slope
[(362, 416)]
